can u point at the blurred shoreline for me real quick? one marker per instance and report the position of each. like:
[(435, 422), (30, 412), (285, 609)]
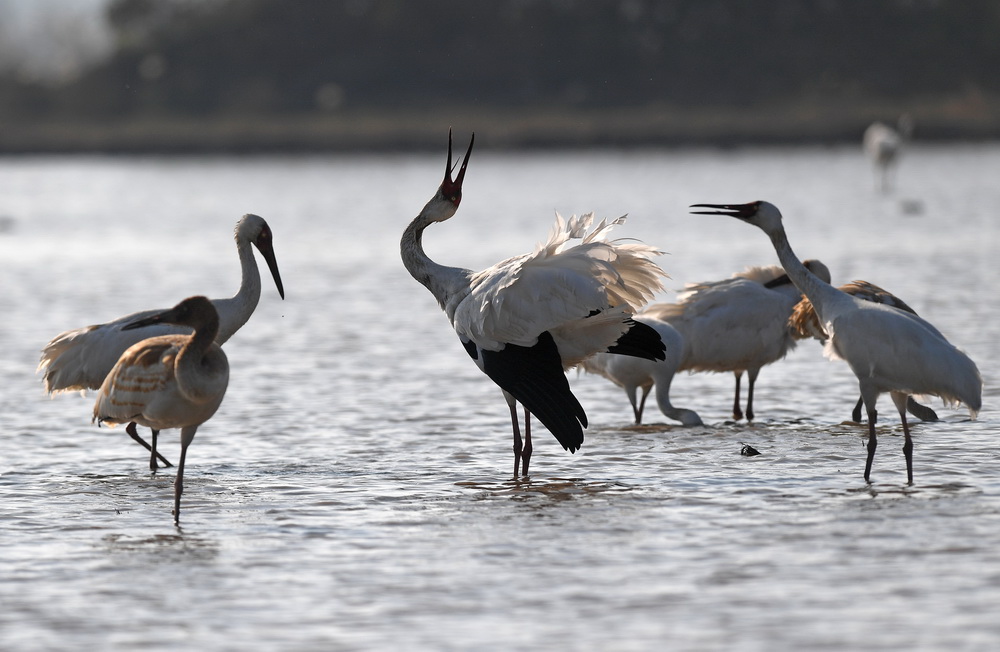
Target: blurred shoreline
[(537, 128)]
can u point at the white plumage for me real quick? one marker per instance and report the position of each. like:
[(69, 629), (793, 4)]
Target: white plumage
[(80, 359), (529, 318), (631, 373), (889, 350), (883, 145), (518, 298), (804, 324), (738, 325), (170, 381)]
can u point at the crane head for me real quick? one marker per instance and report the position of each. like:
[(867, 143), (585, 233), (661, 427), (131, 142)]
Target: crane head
[(194, 312), (761, 214), (265, 245), (452, 190), (741, 211)]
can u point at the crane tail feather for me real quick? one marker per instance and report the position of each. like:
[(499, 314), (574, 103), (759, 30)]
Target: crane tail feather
[(640, 341), (534, 376)]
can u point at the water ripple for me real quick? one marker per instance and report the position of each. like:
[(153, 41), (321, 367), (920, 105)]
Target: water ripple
[(354, 490)]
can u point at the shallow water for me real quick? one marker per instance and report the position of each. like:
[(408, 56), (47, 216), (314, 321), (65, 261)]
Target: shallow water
[(353, 491)]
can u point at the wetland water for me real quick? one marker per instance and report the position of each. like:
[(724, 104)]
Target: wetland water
[(353, 491)]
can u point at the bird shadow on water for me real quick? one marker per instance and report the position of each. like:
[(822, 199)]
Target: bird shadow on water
[(548, 489), (648, 428), (165, 547), (888, 490)]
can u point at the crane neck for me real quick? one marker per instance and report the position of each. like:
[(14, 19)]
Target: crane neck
[(818, 291), (200, 361), (235, 311), (443, 282)]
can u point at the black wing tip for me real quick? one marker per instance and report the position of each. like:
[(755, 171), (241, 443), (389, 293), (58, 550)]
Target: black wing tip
[(560, 413), (535, 378), (640, 341)]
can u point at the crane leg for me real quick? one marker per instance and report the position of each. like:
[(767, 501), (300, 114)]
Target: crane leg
[(908, 453), (630, 392), (152, 449), (130, 429), (856, 414), (526, 453), (872, 443), (179, 488), (642, 404), (187, 435), (737, 411), (518, 448), (752, 378), (902, 401)]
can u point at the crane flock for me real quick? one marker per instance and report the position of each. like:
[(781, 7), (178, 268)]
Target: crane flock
[(889, 350), (737, 325), (80, 359), (580, 299)]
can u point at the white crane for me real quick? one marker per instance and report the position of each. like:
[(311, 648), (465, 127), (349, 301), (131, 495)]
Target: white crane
[(80, 359), (527, 319), (631, 373), (170, 381), (883, 145), (889, 350), (738, 324), (804, 324)]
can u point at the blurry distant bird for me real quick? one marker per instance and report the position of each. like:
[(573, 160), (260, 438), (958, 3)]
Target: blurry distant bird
[(804, 323), (527, 319), (889, 350), (80, 359), (170, 381), (883, 145)]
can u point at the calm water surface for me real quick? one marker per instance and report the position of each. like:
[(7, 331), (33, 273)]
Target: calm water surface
[(354, 493)]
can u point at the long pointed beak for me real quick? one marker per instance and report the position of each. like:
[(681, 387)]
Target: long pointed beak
[(266, 249), (447, 164), (742, 211), (465, 160), (159, 318), (452, 189)]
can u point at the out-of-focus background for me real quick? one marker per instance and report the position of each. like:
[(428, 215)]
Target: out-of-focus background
[(272, 75)]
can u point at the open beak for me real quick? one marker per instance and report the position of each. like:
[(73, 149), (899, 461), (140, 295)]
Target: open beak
[(742, 211), (453, 189), (266, 248)]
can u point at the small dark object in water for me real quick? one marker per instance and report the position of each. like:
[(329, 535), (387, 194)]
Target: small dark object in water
[(911, 206), (749, 451)]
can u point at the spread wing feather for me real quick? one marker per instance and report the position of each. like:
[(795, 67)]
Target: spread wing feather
[(139, 378), (560, 282)]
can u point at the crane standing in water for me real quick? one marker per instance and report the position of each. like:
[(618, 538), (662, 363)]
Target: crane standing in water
[(738, 324), (889, 350), (804, 323), (80, 359), (170, 381), (527, 319), (883, 145)]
